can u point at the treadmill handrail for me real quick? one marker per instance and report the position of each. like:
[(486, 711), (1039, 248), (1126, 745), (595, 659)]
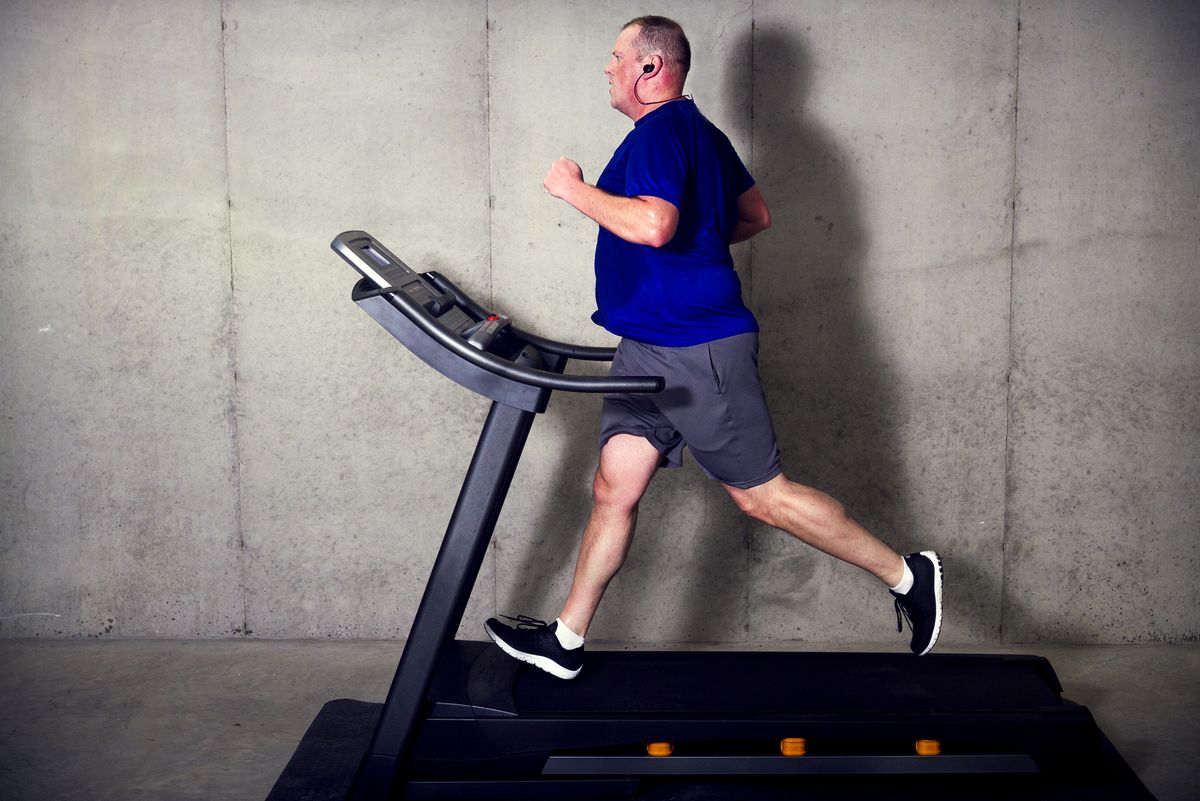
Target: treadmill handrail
[(506, 369), (487, 361)]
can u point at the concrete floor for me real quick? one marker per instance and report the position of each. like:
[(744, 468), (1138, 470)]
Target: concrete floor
[(214, 720)]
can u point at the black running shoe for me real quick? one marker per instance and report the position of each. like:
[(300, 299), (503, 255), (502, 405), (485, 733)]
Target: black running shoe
[(535, 642), (921, 606)]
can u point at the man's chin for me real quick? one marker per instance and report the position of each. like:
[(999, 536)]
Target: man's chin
[(614, 102)]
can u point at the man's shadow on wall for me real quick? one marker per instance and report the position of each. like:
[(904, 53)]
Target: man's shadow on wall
[(831, 392)]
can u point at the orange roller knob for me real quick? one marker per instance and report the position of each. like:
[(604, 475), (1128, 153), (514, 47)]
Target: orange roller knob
[(929, 747), (660, 749), (793, 746)]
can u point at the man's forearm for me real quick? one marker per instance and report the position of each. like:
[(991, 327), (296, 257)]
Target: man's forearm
[(744, 230), (634, 219), (640, 220), (754, 216)]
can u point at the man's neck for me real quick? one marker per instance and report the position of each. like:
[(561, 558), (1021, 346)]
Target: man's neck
[(650, 106)]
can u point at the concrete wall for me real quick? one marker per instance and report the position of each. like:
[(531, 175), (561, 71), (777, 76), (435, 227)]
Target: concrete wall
[(119, 480), (1104, 478), (332, 126), (978, 307)]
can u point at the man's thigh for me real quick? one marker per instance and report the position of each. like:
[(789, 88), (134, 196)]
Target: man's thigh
[(725, 423), (713, 403), (638, 414)]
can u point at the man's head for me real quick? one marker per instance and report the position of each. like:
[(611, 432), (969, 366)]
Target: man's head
[(650, 61), (664, 38)]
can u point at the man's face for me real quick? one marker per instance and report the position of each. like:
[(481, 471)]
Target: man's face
[(623, 71)]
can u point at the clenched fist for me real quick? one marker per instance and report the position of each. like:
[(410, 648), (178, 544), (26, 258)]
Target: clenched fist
[(562, 176)]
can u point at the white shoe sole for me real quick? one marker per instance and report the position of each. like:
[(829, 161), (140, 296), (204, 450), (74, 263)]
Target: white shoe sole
[(937, 598), (542, 662)]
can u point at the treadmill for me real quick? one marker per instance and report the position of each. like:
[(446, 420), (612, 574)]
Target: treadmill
[(464, 721)]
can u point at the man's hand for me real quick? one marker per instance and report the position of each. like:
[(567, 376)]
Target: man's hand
[(564, 175)]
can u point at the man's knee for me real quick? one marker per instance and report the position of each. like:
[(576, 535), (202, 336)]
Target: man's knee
[(627, 463), (779, 502), (755, 502), (612, 488)]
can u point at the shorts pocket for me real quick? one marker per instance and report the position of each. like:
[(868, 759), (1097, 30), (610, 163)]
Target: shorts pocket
[(718, 382)]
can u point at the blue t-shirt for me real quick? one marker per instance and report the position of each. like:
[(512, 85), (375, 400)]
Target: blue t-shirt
[(685, 292)]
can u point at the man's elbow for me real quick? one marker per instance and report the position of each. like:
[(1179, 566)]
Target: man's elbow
[(660, 229), (659, 235)]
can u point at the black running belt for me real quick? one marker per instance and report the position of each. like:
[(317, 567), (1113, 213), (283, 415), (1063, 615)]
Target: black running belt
[(703, 683)]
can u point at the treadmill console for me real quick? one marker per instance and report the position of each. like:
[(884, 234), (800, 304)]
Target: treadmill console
[(390, 274)]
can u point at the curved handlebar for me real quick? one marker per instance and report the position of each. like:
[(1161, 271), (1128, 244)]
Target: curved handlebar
[(525, 375)]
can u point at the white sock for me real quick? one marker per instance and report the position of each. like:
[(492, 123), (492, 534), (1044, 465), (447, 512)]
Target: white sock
[(906, 582), (567, 638)]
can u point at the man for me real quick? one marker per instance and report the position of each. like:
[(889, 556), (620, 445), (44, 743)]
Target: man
[(670, 202)]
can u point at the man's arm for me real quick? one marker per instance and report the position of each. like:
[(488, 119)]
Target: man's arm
[(753, 215), (643, 220)]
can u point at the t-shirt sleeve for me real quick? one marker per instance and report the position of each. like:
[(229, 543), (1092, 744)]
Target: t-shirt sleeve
[(733, 167), (657, 166), (743, 180)]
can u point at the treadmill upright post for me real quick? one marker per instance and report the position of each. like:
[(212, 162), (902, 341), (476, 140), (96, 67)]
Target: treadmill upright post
[(445, 598)]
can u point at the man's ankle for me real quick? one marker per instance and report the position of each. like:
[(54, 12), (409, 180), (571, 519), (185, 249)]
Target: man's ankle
[(567, 637), (906, 579)]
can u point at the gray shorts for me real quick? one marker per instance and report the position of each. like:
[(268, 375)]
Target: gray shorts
[(713, 404)]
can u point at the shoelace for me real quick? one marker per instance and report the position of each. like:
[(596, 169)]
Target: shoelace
[(527, 622), (900, 610)]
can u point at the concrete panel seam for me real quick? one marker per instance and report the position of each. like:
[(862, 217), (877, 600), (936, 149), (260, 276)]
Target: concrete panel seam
[(487, 117), (750, 158), (747, 523), (1012, 251), (491, 203), (233, 349)]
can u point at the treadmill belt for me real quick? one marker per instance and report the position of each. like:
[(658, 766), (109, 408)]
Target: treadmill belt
[(703, 683)]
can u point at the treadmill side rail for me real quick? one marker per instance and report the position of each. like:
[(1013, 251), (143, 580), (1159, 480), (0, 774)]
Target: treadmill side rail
[(740, 765)]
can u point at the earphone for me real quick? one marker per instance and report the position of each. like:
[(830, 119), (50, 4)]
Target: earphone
[(646, 70)]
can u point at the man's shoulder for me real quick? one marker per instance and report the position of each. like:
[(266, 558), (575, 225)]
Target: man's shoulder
[(686, 120)]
